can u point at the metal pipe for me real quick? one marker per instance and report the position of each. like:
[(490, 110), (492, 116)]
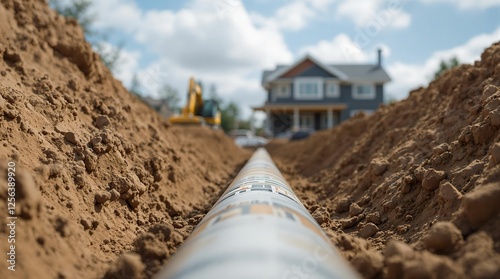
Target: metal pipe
[(257, 229)]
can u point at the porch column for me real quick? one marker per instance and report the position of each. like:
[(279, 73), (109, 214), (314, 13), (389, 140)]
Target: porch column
[(296, 119), (268, 121), (329, 118)]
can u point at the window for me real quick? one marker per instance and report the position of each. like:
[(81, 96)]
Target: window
[(282, 91), (363, 91), (308, 88), (332, 90)]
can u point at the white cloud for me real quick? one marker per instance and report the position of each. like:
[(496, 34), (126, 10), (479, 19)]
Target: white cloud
[(468, 4), (128, 64), (293, 16), (405, 77), (375, 14), (410, 76), (227, 46), (341, 49), (124, 16), (198, 39), (216, 43)]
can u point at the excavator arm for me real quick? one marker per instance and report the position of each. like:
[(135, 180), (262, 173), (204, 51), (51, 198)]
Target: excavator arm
[(194, 99)]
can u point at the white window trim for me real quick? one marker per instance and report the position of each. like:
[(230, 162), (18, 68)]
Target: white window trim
[(337, 89), (296, 87), (357, 96)]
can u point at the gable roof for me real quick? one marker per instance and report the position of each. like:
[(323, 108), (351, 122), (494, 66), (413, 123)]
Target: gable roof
[(283, 70), (344, 72)]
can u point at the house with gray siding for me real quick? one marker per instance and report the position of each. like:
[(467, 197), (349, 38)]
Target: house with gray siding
[(311, 95)]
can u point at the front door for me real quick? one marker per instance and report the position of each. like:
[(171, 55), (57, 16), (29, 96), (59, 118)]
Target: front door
[(307, 121)]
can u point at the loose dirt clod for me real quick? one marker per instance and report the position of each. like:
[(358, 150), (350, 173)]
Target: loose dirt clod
[(102, 196), (368, 230), (479, 206), (128, 266), (443, 238)]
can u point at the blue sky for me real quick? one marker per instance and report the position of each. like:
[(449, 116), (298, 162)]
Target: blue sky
[(229, 42)]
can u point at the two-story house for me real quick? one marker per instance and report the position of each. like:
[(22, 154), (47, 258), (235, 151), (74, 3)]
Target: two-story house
[(312, 95)]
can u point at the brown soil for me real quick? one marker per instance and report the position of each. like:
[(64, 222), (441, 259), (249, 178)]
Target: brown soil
[(99, 174), (412, 191), (106, 187)]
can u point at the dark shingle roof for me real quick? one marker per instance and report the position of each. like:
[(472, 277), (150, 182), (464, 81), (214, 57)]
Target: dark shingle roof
[(363, 72), (353, 72)]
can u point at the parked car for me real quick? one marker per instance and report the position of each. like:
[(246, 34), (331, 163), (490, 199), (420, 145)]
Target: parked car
[(301, 134), (250, 141), (241, 133)]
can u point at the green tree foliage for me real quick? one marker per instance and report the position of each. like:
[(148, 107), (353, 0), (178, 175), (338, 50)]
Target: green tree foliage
[(245, 124), (390, 99), (229, 112), (79, 10), (446, 65), (135, 86), (171, 96), (229, 116), (166, 94)]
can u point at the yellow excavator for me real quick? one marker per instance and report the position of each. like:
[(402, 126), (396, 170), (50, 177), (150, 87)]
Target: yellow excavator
[(198, 111)]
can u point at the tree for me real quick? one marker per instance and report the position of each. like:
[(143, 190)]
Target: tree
[(446, 65), (212, 94), (230, 112), (135, 86), (229, 116), (79, 10), (390, 99), (171, 96)]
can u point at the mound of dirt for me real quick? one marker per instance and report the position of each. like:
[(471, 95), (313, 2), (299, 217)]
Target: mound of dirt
[(104, 187), (412, 191)]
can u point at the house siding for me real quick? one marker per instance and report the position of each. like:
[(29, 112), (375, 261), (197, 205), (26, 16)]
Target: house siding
[(355, 104), (292, 100), (344, 98)]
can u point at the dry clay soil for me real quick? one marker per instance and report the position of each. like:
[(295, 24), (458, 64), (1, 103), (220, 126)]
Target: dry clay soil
[(106, 187)]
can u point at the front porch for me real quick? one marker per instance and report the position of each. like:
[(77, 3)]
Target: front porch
[(285, 117)]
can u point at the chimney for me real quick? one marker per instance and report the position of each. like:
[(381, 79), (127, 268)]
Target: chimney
[(379, 62)]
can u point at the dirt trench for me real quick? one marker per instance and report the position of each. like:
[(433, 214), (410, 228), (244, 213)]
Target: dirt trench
[(107, 187)]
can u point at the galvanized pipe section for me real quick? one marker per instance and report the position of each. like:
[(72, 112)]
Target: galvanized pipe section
[(257, 229)]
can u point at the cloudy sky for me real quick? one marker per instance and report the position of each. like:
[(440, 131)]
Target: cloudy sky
[(229, 42)]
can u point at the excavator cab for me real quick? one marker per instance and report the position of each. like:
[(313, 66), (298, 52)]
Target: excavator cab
[(210, 112)]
